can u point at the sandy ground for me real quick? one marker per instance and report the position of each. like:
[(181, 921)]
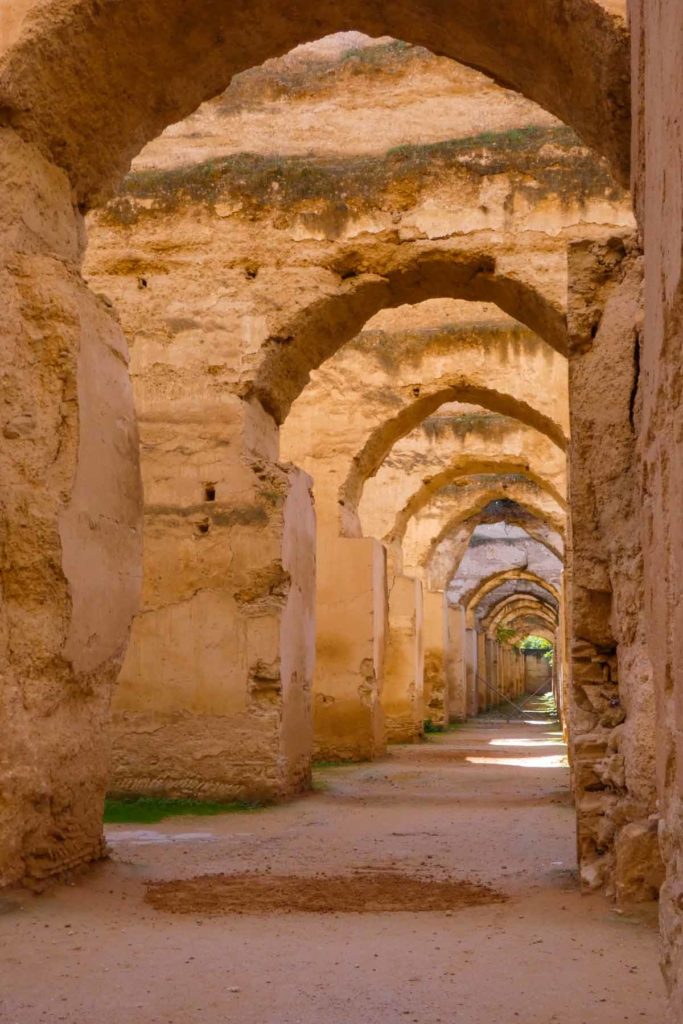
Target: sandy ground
[(486, 805)]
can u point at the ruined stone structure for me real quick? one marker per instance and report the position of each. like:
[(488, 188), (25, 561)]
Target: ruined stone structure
[(300, 438)]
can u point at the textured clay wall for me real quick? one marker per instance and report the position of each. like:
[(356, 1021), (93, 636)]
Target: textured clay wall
[(613, 713), (70, 522), (352, 627), (436, 708), (403, 689), (657, 44)]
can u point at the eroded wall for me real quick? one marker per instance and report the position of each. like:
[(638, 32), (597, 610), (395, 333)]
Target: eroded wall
[(613, 713), (657, 44), (71, 518)]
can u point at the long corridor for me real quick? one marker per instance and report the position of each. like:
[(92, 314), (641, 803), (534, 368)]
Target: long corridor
[(479, 815)]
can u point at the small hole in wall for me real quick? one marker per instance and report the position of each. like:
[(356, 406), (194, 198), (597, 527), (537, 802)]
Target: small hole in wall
[(416, 391), (142, 282), (209, 492), (203, 526), (251, 272)]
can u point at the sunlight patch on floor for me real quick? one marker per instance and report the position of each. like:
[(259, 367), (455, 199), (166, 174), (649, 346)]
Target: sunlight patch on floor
[(515, 742), (547, 761)]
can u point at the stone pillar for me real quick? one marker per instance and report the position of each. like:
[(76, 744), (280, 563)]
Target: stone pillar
[(351, 635), (403, 689), (455, 663), (657, 90), (470, 657), (493, 672), (436, 697), (214, 699), (71, 525), (612, 734), (483, 691), (507, 668)]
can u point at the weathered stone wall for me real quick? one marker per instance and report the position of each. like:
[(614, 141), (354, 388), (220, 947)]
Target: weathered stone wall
[(538, 672), (70, 526), (657, 44), (352, 613), (613, 714), (403, 690), (456, 679), (214, 697), (436, 653)]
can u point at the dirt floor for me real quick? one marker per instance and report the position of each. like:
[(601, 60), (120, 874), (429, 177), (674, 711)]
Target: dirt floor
[(436, 885)]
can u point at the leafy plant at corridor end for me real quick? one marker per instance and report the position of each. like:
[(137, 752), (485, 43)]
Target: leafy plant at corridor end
[(538, 643)]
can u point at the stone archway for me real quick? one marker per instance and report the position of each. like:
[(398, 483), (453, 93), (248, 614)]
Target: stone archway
[(472, 599), (461, 504), (84, 33), (137, 73)]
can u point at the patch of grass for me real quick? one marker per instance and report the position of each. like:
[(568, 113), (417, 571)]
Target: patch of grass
[(430, 727), (150, 809), (377, 55), (262, 182), (317, 765)]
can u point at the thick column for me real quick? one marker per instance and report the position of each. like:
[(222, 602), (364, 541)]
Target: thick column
[(455, 664), (657, 73), (493, 673), (612, 715), (436, 696), (214, 699), (482, 669), (71, 518), (351, 636), (470, 659), (504, 669), (403, 689), (519, 672)]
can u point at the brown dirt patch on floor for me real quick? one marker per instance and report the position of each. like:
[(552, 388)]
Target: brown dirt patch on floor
[(322, 894)]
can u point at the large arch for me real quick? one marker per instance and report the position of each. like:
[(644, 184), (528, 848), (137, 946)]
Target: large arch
[(446, 558), (387, 276), (459, 470), (472, 599), (464, 503), (341, 440), (427, 458), (526, 616), (496, 605), (515, 610), (79, 65)]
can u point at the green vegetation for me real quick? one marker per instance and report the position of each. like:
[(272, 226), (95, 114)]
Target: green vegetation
[(272, 182), (319, 765), (538, 643), (430, 727), (504, 634), (463, 424), (150, 809), (294, 78), (377, 55)]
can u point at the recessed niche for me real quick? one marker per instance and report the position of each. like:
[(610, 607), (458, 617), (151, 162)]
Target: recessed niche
[(209, 492)]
